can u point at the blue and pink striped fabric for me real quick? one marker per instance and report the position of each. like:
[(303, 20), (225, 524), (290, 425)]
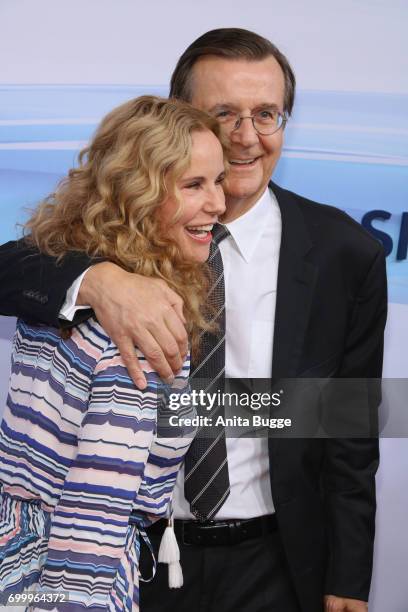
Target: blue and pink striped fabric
[(80, 452)]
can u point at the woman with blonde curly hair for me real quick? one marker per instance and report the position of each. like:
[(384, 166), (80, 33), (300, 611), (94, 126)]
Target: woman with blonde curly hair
[(82, 468)]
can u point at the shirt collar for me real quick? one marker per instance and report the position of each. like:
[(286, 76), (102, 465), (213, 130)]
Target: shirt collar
[(247, 230)]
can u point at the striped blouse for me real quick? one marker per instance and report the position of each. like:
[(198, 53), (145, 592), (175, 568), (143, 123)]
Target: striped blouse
[(80, 452)]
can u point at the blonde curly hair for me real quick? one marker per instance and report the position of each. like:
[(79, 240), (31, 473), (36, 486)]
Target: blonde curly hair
[(107, 206)]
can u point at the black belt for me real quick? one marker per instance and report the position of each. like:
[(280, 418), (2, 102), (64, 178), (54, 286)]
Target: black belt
[(213, 533)]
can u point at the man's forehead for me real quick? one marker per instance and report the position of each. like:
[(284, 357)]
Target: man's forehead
[(216, 64), (226, 81)]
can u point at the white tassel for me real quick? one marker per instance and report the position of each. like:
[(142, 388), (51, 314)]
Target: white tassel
[(169, 553), (175, 575)]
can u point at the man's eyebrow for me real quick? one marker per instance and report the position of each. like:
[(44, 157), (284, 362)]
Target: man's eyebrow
[(268, 105), (220, 106), (227, 105)]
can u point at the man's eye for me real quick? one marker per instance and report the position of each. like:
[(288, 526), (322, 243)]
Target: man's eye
[(266, 115), (224, 114)]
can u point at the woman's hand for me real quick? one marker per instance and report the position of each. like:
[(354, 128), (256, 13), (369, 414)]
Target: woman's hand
[(138, 311)]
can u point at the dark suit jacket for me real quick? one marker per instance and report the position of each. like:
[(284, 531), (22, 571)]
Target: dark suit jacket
[(330, 317)]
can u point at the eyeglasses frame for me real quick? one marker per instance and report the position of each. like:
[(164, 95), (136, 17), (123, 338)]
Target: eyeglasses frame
[(238, 122)]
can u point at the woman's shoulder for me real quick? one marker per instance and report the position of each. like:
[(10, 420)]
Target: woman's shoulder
[(86, 346), (87, 340)]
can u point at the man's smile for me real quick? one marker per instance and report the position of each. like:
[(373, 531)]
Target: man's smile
[(244, 162)]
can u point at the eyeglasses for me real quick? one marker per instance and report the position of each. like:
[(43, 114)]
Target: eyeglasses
[(265, 122)]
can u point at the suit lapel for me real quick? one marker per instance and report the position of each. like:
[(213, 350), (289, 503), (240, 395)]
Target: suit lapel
[(296, 282)]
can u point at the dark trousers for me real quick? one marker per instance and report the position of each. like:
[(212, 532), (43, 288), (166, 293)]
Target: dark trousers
[(248, 577)]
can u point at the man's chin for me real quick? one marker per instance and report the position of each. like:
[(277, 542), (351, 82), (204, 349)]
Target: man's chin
[(244, 191), (242, 184)]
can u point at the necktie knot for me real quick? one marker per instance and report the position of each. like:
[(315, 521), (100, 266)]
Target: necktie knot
[(219, 232)]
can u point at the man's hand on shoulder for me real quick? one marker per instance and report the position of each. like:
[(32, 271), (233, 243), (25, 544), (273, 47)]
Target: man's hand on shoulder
[(343, 604), (138, 311)]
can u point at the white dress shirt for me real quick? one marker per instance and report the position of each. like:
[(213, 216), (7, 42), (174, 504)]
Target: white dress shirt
[(69, 307), (250, 257)]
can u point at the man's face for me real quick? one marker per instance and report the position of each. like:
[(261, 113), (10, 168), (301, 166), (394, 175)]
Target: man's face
[(242, 86)]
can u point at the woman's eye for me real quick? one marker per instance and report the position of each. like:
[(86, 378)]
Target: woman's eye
[(193, 186)]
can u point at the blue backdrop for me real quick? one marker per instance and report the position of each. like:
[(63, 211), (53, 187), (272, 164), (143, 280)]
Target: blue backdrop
[(346, 149)]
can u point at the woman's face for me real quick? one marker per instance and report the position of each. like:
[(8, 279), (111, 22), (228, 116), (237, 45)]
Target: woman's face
[(201, 197)]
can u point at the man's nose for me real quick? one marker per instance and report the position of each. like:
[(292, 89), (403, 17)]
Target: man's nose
[(245, 134)]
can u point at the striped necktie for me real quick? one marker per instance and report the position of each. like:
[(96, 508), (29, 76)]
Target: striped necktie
[(206, 480)]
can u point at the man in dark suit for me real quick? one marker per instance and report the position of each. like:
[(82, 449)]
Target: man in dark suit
[(305, 295)]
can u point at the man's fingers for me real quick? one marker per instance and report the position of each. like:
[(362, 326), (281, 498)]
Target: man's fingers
[(178, 307), (155, 356), (175, 301), (127, 351), (178, 333), (334, 604), (162, 351), (343, 604)]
